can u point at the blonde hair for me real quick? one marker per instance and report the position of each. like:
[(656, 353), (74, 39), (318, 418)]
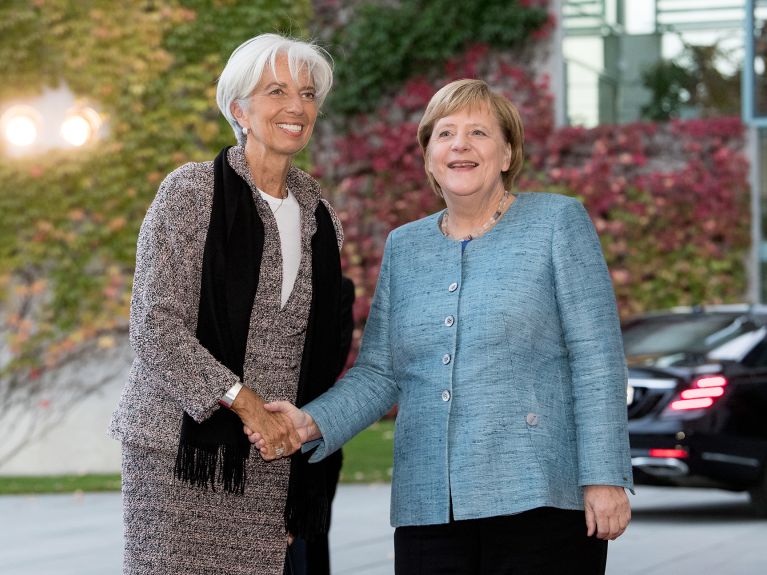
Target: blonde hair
[(471, 94)]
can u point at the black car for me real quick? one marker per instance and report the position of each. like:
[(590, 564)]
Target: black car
[(697, 398)]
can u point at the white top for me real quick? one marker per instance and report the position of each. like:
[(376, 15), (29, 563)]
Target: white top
[(287, 212)]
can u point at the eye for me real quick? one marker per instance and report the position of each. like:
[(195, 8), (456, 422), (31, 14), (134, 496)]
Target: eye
[(443, 134), (277, 92), (311, 96), (478, 132)]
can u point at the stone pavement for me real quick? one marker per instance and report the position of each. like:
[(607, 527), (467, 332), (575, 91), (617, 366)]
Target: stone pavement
[(674, 532), (81, 534)]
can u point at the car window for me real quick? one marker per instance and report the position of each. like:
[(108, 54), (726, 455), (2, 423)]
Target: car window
[(757, 357), (681, 337), (741, 347)]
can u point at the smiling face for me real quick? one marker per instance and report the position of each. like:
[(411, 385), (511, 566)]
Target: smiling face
[(467, 153), (280, 112)]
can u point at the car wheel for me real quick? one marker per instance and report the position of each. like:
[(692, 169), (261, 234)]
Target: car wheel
[(759, 496)]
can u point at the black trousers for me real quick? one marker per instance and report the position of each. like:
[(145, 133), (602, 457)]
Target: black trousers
[(295, 559), (543, 541)]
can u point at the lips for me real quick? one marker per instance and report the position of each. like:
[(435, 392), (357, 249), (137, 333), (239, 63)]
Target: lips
[(462, 164)]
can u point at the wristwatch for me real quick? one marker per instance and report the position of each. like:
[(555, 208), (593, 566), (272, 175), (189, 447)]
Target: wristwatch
[(230, 395)]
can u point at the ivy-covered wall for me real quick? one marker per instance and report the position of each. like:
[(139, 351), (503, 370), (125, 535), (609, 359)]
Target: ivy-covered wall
[(390, 59), (69, 219), (669, 201)]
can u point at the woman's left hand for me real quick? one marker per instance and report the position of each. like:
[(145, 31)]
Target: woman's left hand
[(607, 510)]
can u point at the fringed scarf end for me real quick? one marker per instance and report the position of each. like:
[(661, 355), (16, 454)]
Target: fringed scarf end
[(313, 520), (204, 466)]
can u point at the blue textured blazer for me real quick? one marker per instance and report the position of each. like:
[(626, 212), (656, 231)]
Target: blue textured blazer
[(506, 361)]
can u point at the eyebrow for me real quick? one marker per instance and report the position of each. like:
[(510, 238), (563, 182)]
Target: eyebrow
[(472, 125), (284, 85)]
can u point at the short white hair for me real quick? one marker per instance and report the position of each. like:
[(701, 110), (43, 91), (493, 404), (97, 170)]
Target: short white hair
[(243, 71)]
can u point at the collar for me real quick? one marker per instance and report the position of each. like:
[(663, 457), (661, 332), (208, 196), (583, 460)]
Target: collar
[(305, 188)]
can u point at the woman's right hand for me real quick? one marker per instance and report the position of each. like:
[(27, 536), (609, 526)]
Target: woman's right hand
[(302, 422), (277, 429)]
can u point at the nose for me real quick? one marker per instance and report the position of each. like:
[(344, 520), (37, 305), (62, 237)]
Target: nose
[(459, 143), (295, 105)]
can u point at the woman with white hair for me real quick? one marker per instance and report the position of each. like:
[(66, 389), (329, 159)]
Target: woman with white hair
[(236, 302)]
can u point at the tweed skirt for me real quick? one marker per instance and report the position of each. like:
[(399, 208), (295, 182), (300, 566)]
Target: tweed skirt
[(174, 529)]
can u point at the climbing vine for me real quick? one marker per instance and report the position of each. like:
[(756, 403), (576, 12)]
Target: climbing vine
[(69, 218), (670, 202)]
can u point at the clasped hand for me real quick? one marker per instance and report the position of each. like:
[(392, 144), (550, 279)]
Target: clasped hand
[(275, 429), (301, 423)]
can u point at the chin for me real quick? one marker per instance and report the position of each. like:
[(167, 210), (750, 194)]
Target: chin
[(289, 150), (463, 193)]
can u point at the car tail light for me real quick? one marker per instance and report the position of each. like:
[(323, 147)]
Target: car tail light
[(675, 453), (702, 394), (710, 381)]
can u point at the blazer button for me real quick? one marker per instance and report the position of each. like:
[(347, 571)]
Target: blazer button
[(532, 419), (446, 395), (452, 287), (449, 320), (446, 359)]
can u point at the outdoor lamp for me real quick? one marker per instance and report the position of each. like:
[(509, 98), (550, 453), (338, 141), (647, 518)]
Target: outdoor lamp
[(54, 119), (80, 126), (21, 125)]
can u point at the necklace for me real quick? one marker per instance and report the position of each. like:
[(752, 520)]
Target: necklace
[(282, 198), (476, 232)]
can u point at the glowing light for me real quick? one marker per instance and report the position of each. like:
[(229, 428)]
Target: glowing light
[(20, 126), (683, 404), (76, 130), (54, 119), (677, 453), (80, 126), (21, 131), (712, 381), (703, 392)]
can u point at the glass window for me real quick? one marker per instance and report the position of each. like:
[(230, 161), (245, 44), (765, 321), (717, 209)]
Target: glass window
[(757, 357), (686, 334), (760, 62), (761, 185)]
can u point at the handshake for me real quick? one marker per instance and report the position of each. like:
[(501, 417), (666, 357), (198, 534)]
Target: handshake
[(276, 429)]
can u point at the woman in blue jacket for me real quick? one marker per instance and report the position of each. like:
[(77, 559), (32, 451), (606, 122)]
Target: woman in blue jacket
[(494, 327)]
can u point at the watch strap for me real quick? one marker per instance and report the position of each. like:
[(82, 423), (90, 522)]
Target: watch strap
[(230, 395)]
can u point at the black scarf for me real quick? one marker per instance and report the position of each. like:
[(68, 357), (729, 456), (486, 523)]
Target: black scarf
[(215, 451)]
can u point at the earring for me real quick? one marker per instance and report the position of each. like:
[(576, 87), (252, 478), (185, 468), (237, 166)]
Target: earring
[(245, 131)]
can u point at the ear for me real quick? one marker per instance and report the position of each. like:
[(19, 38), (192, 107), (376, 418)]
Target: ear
[(427, 160), (506, 157), (236, 110)]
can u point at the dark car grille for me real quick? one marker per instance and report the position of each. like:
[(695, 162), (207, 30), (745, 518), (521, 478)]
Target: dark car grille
[(650, 395), (645, 401)]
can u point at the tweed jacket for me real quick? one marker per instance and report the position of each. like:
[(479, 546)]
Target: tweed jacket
[(172, 372), (506, 360)]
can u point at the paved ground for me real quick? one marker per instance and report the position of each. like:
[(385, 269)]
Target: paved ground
[(674, 532)]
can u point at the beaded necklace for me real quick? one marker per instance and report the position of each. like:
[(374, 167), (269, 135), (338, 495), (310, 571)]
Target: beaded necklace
[(476, 232)]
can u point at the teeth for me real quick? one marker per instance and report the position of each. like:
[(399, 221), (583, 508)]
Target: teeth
[(462, 164), (291, 127)]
